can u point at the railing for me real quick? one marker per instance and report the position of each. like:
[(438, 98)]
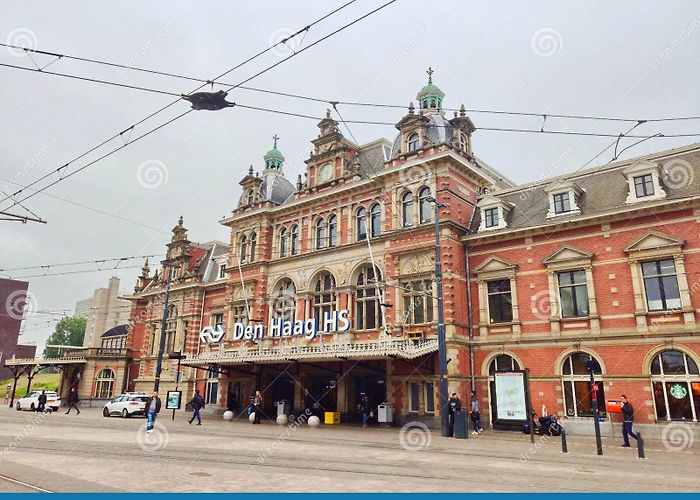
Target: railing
[(70, 357), (407, 349)]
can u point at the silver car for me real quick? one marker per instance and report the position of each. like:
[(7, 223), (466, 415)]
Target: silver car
[(126, 405)]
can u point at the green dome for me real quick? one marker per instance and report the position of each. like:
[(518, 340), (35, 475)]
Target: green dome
[(430, 96), (274, 158)]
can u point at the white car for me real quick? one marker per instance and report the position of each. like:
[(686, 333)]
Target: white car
[(126, 405), (31, 401)]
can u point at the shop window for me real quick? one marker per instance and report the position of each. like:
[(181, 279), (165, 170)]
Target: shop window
[(418, 302), (104, 384), (368, 314), (578, 399), (676, 383), (573, 294), (500, 301), (661, 285)]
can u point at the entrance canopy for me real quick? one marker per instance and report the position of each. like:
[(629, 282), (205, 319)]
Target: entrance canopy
[(403, 349)]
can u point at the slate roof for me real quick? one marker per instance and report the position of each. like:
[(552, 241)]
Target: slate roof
[(276, 188), (604, 188)]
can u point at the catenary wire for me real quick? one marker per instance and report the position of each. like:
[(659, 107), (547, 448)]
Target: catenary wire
[(260, 53), (94, 261)]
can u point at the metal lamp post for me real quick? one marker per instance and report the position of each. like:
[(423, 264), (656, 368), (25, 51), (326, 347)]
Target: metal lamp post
[(442, 349), (591, 366), (161, 347)]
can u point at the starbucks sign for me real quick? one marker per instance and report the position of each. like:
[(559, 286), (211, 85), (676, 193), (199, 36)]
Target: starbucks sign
[(678, 391)]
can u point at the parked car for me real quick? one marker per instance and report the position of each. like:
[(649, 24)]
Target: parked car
[(126, 405), (31, 401)]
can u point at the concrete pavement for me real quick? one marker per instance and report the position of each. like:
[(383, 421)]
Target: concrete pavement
[(88, 452)]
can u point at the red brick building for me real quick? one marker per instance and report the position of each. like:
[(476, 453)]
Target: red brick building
[(14, 299)]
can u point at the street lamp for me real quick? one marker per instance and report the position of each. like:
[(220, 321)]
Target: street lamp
[(591, 367), (442, 350)]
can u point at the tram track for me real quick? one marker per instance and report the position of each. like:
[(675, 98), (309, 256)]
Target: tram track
[(21, 484)]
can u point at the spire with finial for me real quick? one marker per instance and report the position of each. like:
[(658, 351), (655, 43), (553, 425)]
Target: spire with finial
[(430, 75), (430, 96), (250, 170), (462, 111), (411, 108), (180, 221), (299, 184)]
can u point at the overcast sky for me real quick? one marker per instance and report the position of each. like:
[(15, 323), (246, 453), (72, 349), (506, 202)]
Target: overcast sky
[(635, 59)]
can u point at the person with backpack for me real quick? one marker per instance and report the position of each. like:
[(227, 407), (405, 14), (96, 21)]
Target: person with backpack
[(197, 405)]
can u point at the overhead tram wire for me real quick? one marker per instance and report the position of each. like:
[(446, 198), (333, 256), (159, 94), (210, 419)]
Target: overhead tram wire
[(131, 128), (94, 261), (306, 97), (78, 271)]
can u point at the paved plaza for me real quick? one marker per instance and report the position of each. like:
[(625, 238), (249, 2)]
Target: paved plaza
[(88, 452)]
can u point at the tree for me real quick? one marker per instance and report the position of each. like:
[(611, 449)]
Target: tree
[(69, 331)]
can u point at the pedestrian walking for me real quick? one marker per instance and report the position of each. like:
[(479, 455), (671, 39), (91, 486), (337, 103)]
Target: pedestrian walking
[(454, 404), (73, 400), (197, 405), (7, 393), (257, 406), (627, 421), (310, 403), (42, 402), (152, 410), (365, 410), (475, 414)]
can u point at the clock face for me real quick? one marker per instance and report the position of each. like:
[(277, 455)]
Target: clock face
[(326, 172)]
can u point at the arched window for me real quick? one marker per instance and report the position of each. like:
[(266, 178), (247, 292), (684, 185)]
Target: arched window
[(463, 143), (407, 209), (578, 400), (361, 224), (320, 234), (283, 242), (242, 249), (170, 329), (104, 384), (324, 297), (250, 197), (368, 311), (413, 142), (501, 363), (253, 246), (375, 220), (676, 382), (294, 240), (284, 300), (425, 206), (432, 103), (332, 230)]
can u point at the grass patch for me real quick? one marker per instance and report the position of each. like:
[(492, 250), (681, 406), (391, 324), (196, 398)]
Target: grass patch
[(47, 381)]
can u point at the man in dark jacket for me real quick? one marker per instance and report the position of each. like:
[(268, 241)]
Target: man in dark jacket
[(454, 404), (197, 404), (365, 410), (73, 400), (152, 410), (627, 421), (42, 402)]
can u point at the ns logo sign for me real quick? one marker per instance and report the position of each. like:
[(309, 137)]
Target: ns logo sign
[(212, 334)]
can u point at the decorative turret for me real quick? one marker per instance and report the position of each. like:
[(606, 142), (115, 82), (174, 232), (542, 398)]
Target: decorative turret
[(274, 159), (430, 96), (144, 279)]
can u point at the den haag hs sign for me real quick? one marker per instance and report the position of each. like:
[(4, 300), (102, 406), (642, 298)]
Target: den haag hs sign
[(335, 321)]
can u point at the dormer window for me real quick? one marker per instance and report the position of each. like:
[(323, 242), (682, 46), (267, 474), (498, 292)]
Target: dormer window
[(222, 271), (562, 203), (491, 217), (413, 142), (643, 182), (563, 198), (493, 212), (249, 197), (644, 185)]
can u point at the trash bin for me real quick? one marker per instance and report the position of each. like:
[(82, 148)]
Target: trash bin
[(283, 407), (460, 425), (331, 417), (385, 413)]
